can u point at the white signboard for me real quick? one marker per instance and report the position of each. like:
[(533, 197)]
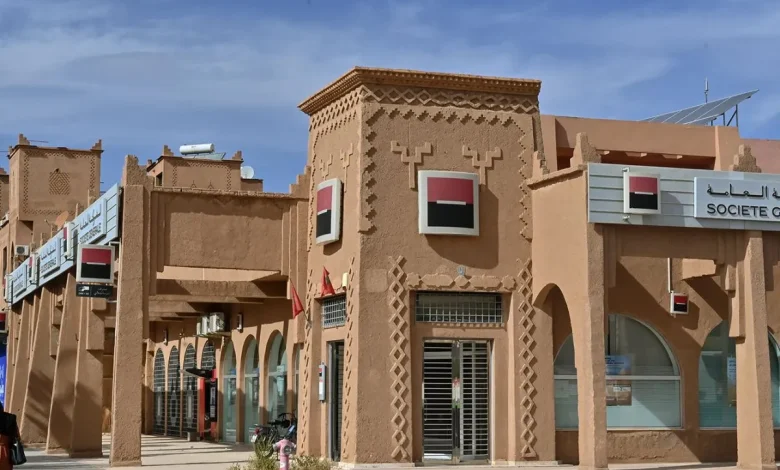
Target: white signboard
[(50, 255), (19, 280), (91, 223), (727, 199)]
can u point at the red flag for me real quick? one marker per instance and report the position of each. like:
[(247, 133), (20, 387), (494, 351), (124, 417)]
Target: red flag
[(297, 306), (327, 287)]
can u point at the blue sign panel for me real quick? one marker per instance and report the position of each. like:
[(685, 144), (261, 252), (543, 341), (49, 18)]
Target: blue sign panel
[(3, 368)]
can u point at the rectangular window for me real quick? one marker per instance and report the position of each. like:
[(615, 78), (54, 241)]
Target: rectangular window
[(334, 311), (458, 307)]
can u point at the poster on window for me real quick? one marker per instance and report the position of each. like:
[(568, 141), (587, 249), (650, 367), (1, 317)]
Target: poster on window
[(233, 389), (731, 379), (618, 391)]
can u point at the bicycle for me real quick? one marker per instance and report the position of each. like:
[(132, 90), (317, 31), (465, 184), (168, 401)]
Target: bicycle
[(266, 436)]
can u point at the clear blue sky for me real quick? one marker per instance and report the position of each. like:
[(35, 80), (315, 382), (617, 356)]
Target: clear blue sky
[(145, 73)]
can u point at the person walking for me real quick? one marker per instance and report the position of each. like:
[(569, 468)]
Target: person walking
[(9, 432)]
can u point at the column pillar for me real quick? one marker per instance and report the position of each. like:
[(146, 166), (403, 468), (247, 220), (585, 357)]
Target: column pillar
[(61, 414), (755, 433), (22, 364), (531, 384), (131, 315), (587, 311), (87, 432), (40, 379)]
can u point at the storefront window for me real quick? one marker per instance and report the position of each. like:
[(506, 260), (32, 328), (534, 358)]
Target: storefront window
[(277, 379), (643, 380), (251, 389), (297, 378), (718, 380), (229, 402)]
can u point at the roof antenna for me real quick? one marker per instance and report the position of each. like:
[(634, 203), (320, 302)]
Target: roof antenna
[(706, 89)]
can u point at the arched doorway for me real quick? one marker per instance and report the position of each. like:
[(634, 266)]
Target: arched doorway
[(643, 379), (174, 391), (277, 378), (209, 358), (251, 388), (159, 393), (230, 390), (190, 392), (718, 380)]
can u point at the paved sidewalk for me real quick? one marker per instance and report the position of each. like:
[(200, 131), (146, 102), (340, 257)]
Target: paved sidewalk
[(165, 453), (170, 453)]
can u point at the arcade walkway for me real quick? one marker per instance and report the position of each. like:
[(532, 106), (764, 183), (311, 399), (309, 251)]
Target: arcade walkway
[(177, 454), (157, 452)]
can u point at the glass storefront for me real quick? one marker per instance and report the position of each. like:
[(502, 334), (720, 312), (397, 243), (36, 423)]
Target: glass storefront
[(718, 380), (277, 379), (251, 389), (230, 391), (643, 379)]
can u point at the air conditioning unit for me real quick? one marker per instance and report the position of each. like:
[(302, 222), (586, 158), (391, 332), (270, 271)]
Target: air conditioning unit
[(198, 330), (22, 250), (217, 322), (203, 325)]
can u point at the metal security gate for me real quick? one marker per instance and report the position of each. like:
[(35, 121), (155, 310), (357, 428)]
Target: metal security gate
[(456, 401), (190, 392), (475, 409), (337, 397), (159, 393), (174, 394)]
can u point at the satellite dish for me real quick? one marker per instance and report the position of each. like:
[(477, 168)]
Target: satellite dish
[(247, 172), (61, 219)]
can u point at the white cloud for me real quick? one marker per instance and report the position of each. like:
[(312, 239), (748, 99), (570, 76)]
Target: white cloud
[(100, 68)]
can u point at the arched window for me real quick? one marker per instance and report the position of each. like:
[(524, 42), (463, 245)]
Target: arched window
[(277, 378), (190, 392), (229, 402), (252, 388), (643, 379), (209, 358), (159, 393), (718, 380), (174, 389)]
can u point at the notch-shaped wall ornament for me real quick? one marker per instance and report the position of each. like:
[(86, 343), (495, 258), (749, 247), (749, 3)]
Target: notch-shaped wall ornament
[(482, 164), (346, 156), (325, 164), (425, 150)]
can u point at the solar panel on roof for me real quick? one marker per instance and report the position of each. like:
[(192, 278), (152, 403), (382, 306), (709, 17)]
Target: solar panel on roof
[(703, 113)]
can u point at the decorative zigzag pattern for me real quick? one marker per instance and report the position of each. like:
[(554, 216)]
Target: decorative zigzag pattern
[(527, 359), (444, 98), (349, 388), (307, 361), (400, 354), (526, 172), (337, 109), (312, 202)]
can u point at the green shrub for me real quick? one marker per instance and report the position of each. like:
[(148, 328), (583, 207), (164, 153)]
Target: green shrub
[(236, 466), (262, 462), (308, 462)]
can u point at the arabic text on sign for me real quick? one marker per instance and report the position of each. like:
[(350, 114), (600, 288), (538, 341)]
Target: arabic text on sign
[(736, 200)]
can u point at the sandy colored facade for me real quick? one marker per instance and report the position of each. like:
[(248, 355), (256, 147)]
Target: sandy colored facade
[(495, 345)]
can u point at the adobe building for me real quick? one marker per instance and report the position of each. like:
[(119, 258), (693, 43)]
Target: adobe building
[(454, 277)]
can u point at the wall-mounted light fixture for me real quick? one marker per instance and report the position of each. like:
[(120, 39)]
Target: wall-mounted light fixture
[(165, 337), (240, 326)]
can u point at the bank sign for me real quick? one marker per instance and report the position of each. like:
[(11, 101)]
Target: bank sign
[(99, 223), (682, 197), (717, 198)]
